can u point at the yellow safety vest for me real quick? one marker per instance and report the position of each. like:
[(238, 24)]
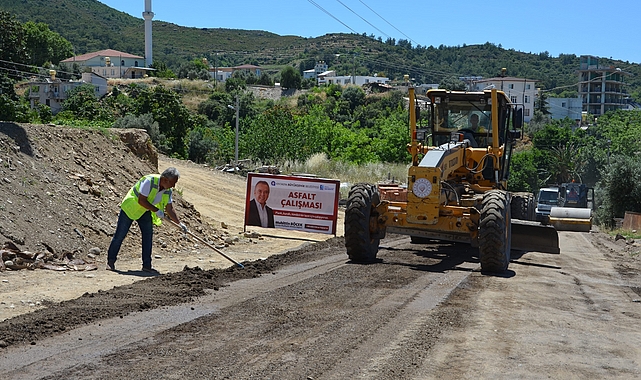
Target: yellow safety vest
[(134, 210)]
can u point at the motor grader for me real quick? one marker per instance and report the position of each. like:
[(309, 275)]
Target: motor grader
[(456, 185)]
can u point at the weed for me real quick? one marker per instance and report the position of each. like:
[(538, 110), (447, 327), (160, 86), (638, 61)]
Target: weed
[(348, 173), (625, 233)]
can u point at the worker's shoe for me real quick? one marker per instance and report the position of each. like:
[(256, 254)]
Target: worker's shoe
[(111, 266), (150, 270)]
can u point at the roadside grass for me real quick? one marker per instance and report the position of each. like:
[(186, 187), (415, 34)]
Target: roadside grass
[(628, 234), (347, 173)]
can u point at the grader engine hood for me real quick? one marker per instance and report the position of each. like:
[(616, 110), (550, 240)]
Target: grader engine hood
[(424, 197)]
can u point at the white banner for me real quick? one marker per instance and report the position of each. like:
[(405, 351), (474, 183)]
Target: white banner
[(292, 203)]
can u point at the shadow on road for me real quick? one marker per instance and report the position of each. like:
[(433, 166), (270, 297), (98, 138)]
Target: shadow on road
[(432, 258), (138, 273)]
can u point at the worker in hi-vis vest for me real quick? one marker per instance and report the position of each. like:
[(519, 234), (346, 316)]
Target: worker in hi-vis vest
[(148, 201)]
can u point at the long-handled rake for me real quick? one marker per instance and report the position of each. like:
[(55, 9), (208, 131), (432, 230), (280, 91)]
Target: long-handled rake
[(209, 245)]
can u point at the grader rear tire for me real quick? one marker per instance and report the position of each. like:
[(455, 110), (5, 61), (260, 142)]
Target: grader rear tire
[(360, 240), (495, 232), (523, 206)]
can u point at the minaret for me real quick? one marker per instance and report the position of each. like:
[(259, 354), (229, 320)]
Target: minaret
[(148, 15)]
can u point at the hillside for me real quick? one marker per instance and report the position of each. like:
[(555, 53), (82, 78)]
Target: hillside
[(95, 26)]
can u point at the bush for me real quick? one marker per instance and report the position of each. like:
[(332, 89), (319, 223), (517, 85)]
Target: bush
[(146, 122), (619, 189)]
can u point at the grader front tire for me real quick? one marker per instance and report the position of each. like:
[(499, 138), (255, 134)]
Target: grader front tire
[(495, 232), (361, 238)]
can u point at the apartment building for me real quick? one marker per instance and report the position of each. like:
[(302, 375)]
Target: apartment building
[(601, 86), (521, 91)]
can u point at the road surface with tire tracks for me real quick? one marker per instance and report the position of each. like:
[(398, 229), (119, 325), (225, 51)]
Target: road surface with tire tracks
[(419, 312)]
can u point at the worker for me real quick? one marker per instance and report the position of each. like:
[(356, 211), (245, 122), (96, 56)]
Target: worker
[(469, 131), (474, 122), (147, 202)]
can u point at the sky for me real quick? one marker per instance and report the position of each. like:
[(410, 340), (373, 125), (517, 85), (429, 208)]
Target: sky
[(592, 27)]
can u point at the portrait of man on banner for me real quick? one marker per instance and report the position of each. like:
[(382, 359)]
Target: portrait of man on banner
[(260, 214)]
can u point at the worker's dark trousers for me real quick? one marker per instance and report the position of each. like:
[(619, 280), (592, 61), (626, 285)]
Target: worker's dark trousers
[(146, 229)]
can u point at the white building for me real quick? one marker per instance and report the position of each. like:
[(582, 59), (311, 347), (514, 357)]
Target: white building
[(221, 74), (521, 91), (320, 68), (52, 91), (111, 63), (560, 108), (330, 77)]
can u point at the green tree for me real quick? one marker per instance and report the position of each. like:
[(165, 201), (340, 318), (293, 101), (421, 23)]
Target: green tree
[(541, 104), (12, 44), (390, 143), (272, 136), (619, 189), (44, 45), (146, 122), (452, 83), (265, 80), (235, 85), (44, 113), (174, 119), (290, 78), (162, 70), (354, 96), (195, 69), (201, 142), (82, 102), (523, 171), (216, 108)]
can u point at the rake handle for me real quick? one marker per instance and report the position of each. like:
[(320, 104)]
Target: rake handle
[(209, 245)]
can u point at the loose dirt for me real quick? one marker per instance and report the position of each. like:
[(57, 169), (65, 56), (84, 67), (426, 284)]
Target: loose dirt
[(299, 309), (61, 188)]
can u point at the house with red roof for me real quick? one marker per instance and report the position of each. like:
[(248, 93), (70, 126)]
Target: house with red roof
[(110, 63)]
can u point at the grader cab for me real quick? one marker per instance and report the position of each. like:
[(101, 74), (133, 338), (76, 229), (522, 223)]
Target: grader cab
[(456, 185)]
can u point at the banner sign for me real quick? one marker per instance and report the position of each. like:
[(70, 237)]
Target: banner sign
[(292, 203)]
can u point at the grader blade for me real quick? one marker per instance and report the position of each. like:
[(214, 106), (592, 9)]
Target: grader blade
[(532, 236)]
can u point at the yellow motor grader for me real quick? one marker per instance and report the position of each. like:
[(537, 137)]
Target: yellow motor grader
[(456, 185)]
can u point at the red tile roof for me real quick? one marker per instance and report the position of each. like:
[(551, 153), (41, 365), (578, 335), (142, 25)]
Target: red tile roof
[(111, 53)]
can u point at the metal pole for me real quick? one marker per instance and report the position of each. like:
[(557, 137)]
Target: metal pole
[(237, 112), (354, 69)]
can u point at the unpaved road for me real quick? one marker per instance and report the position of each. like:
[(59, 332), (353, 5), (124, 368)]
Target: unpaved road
[(422, 312)]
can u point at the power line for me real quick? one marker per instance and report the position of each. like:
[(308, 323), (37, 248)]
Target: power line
[(331, 15), (368, 7), (369, 23)]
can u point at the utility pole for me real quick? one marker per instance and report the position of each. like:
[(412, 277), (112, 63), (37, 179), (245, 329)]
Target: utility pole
[(216, 71), (354, 69), (237, 108)]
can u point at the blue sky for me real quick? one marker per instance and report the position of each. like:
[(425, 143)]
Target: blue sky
[(595, 27)]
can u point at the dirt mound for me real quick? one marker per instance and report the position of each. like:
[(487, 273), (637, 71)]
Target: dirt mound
[(61, 188)]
